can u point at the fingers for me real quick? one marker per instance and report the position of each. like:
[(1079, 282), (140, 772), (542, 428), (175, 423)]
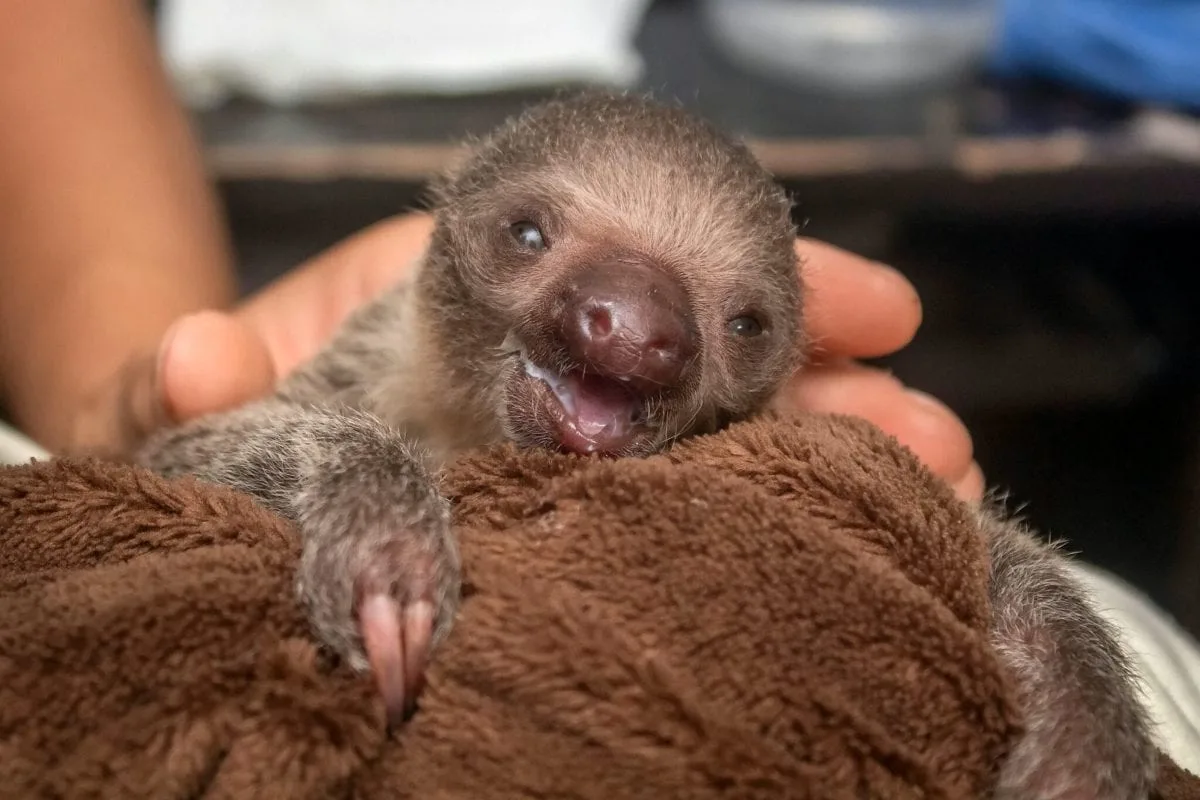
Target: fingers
[(920, 422), (855, 308), (383, 640)]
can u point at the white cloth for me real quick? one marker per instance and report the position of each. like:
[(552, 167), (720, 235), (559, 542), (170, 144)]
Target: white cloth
[(287, 51), (1166, 656), (16, 448)]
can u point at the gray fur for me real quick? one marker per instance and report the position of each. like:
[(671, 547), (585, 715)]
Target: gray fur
[(361, 493), (349, 445), (1087, 731)]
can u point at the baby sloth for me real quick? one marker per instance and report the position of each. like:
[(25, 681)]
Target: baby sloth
[(606, 275)]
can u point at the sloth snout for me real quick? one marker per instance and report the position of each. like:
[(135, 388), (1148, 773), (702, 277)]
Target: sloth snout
[(629, 322)]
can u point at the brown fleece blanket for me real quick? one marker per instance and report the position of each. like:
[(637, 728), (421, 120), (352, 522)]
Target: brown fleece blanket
[(787, 609)]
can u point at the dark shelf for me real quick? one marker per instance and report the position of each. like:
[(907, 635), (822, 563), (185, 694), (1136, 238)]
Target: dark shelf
[(975, 131)]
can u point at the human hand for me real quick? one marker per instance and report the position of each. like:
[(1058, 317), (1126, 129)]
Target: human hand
[(212, 360), (856, 308)]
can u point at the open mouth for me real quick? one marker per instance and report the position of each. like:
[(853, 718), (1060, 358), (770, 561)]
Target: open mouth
[(592, 413)]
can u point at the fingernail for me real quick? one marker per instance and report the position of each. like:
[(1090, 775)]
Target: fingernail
[(893, 273), (940, 418), (929, 403), (883, 269), (972, 485)]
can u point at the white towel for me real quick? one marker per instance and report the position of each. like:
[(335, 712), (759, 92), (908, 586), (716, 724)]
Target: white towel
[(289, 51)]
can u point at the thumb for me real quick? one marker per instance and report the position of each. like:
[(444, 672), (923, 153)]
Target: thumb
[(210, 361), (206, 362)]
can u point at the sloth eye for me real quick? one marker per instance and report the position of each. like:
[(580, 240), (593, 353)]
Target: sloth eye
[(528, 235), (745, 325)]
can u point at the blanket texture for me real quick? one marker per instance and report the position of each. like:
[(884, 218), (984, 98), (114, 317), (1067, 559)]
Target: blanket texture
[(786, 609)]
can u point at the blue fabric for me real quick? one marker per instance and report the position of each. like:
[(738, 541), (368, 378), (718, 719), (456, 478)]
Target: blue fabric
[(1141, 50)]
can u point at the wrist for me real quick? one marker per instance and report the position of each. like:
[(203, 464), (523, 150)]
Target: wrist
[(66, 352), (69, 401)]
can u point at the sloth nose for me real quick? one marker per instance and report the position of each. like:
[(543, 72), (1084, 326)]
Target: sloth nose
[(630, 322)]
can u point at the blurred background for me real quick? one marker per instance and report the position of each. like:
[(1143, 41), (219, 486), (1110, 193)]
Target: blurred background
[(1033, 167)]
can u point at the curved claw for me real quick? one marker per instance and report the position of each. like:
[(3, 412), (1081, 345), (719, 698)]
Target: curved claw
[(397, 643), (379, 621), (418, 635)]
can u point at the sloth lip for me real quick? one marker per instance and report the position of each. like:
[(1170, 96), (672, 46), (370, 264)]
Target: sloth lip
[(594, 413)]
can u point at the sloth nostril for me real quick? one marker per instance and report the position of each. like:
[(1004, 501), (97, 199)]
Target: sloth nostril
[(599, 321)]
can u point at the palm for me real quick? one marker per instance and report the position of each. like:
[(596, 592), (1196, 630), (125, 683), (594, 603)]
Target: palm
[(297, 314)]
